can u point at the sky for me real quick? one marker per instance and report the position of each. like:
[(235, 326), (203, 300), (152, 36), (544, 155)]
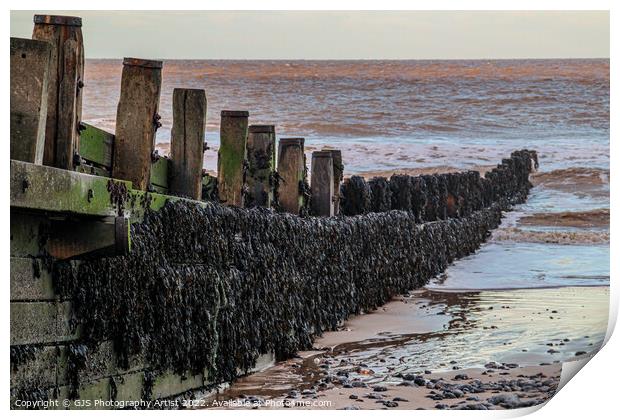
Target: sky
[(337, 35)]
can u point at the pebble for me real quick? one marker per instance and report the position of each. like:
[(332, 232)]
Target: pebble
[(379, 389)]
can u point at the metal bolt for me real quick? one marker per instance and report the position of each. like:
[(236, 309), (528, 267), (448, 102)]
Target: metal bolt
[(77, 159)]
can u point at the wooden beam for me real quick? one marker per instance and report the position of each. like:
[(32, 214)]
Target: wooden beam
[(338, 176), (136, 121), (322, 184), (261, 164), (291, 170), (96, 146), (66, 79), (231, 157), (84, 238), (30, 64), (189, 113)]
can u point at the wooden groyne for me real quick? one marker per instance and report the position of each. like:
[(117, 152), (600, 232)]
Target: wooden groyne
[(136, 276)]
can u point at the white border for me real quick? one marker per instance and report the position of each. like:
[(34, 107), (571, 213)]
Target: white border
[(592, 393)]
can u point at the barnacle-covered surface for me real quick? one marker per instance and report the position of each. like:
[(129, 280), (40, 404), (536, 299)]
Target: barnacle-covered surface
[(437, 197), (208, 288)]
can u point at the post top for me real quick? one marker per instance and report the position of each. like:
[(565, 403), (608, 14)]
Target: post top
[(239, 114), (257, 128), (141, 62), (58, 20), (291, 141), (322, 154)]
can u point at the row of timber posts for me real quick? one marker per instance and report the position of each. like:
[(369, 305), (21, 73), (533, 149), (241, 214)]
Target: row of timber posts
[(53, 151), (47, 79)]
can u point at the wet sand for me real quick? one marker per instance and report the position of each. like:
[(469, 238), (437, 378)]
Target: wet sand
[(412, 353), (586, 219)]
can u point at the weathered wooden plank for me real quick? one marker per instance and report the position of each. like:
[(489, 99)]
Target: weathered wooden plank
[(209, 188), (261, 154), (84, 168), (322, 184), (40, 322), (160, 170), (168, 384), (100, 362), (129, 386), (64, 100), (25, 234), (38, 371), (96, 146), (291, 169), (30, 64), (231, 157), (189, 113), (70, 239), (91, 394), (30, 280), (338, 176), (36, 187), (136, 121), (45, 188)]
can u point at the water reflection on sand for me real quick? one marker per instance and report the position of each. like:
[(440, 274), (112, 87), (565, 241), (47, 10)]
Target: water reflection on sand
[(433, 330)]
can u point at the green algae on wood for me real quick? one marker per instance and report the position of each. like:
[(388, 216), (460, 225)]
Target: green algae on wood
[(232, 157), (96, 146), (159, 173)]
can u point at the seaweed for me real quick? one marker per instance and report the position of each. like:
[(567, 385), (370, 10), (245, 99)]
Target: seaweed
[(208, 288)]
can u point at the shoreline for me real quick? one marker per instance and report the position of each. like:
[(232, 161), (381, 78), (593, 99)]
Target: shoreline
[(333, 371)]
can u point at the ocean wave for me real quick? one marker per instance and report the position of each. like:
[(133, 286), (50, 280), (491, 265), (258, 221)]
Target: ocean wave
[(580, 237)]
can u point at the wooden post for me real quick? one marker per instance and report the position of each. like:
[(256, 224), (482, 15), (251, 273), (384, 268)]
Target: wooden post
[(66, 79), (261, 152), (338, 175), (322, 183), (30, 63), (291, 169), (136, 121), (189, 112), (231, 157)]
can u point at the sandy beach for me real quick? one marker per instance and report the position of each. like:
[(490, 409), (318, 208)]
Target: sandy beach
[(408, 354)]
